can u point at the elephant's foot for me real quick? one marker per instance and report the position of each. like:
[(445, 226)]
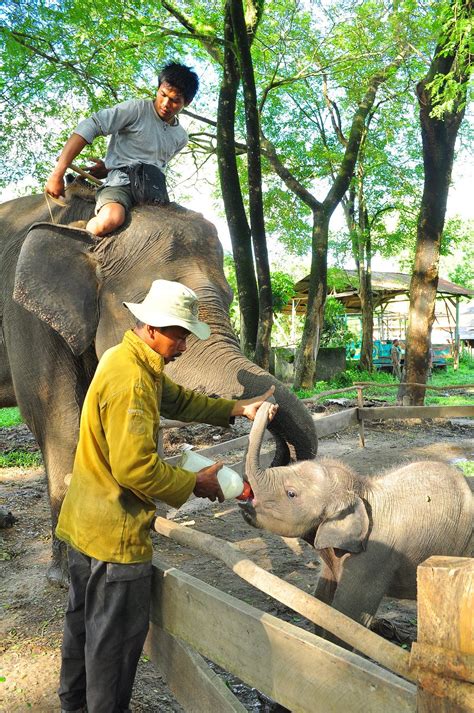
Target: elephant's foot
[(58, 575), (393, 632), (58, 572)]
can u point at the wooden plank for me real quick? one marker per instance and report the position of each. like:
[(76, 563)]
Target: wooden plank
[(386, 412), (298, 669), (320, 613), (326, 425), (193, 683), (445, 621)]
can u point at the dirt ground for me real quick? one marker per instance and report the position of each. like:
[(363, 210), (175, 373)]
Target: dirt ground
[(31, 610)]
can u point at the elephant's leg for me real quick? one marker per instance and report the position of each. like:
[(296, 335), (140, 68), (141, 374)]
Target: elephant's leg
[(364, 580), (328, 581), (50, 386)]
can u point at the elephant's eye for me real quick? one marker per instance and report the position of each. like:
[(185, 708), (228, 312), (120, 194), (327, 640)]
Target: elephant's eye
[(292, 493)]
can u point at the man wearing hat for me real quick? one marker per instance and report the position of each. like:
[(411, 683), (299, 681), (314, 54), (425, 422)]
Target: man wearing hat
[(110, 503)]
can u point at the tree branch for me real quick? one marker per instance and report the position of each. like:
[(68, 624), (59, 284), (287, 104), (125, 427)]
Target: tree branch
[(288, 179), (199, 32)]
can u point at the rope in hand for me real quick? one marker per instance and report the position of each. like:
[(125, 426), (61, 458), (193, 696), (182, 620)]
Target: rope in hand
[(49, 199), (59, 201)]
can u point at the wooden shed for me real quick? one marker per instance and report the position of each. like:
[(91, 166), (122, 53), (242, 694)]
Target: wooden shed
[(389, 289)]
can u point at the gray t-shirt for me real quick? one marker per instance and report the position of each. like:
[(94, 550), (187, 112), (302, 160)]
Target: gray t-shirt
[(138, 135)]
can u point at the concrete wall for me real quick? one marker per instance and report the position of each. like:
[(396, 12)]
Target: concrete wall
[(331, 361)]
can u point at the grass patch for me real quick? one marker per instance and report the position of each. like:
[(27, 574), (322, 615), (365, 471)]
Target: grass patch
[(467, 467), (346, 379), (441, 378), (22, 459), (10, 417)]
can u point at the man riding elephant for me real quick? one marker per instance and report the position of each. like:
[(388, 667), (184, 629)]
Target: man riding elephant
[(145, 135)]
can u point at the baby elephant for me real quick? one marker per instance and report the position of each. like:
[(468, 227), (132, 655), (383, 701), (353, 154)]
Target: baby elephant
[(371, 532)]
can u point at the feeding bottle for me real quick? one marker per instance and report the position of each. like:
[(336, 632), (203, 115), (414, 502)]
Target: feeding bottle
[(231, 483)]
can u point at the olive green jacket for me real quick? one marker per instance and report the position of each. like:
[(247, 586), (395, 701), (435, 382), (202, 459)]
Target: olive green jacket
[(118, 474)]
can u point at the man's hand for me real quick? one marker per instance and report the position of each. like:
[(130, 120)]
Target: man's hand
[(98, 169), (249, 407), (72, 148), (55, 186), (207, 485)]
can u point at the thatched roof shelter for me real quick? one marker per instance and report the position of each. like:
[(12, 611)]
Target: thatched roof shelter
[(386, 286)]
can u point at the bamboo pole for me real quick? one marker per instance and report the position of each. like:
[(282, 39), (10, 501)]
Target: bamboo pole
[(354, 634), (84, 174)]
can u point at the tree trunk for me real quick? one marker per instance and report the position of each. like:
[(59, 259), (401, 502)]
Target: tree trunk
[(439, 138), (239, 229), (365, 287), (257, 221), (367, 308), (308, 351), (362, 252), (305, 364)]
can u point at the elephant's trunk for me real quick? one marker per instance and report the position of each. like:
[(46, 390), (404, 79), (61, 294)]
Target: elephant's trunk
[(218, 368), (252, 460)]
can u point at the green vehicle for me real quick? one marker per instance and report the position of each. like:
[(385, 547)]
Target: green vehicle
[(382, 359)]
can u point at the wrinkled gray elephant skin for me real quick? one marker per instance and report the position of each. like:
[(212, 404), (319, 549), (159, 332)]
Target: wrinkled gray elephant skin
[(371, 532), (61, 307)]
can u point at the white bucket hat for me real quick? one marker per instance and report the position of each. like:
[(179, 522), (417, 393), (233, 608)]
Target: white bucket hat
[(170, 304)]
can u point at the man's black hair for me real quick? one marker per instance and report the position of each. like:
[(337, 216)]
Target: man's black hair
[(182, 78)]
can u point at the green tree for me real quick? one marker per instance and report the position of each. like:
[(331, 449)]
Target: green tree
[(442, 100)]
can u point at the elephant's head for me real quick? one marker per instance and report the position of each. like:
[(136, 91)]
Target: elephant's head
[(77, 285), (311, 498)]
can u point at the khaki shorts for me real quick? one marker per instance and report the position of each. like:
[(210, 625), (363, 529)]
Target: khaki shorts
[(113, 194)]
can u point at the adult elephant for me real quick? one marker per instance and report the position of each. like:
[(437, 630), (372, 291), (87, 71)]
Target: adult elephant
[(61, 308)]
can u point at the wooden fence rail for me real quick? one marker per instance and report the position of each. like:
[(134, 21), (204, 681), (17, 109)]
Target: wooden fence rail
[(316, 611), (297, 669), (300, 670)]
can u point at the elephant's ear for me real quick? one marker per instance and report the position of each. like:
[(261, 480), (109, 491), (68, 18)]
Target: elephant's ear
[(56, 279), (346, 530)]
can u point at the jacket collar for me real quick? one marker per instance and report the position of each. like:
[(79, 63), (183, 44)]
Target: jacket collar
[(153, 361)]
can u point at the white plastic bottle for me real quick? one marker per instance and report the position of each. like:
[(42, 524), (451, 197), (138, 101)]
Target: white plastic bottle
[(230, 481)]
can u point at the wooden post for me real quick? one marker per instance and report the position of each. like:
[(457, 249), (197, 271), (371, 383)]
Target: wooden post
[(456, 338), (443, 656), (360, 403)]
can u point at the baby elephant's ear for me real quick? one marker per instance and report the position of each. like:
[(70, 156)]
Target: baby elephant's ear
[(346, 530)]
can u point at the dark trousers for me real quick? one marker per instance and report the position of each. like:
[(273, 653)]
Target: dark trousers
[(104, 630)]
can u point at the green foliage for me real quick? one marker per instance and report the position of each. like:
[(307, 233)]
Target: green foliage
[(338, 279), (335, 332), (10, 417), (448, 89), (467, 467), (229, 271), (283, 289), (22, 459), (457, 259)]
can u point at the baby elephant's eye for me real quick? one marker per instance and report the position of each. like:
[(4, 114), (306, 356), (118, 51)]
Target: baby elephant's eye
[(291, 493)]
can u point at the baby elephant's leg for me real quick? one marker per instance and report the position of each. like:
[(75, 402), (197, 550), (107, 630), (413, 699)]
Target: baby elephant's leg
[(328, 580), (364, 580)]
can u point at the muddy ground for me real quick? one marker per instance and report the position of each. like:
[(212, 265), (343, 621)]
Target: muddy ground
[(31, 610)]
